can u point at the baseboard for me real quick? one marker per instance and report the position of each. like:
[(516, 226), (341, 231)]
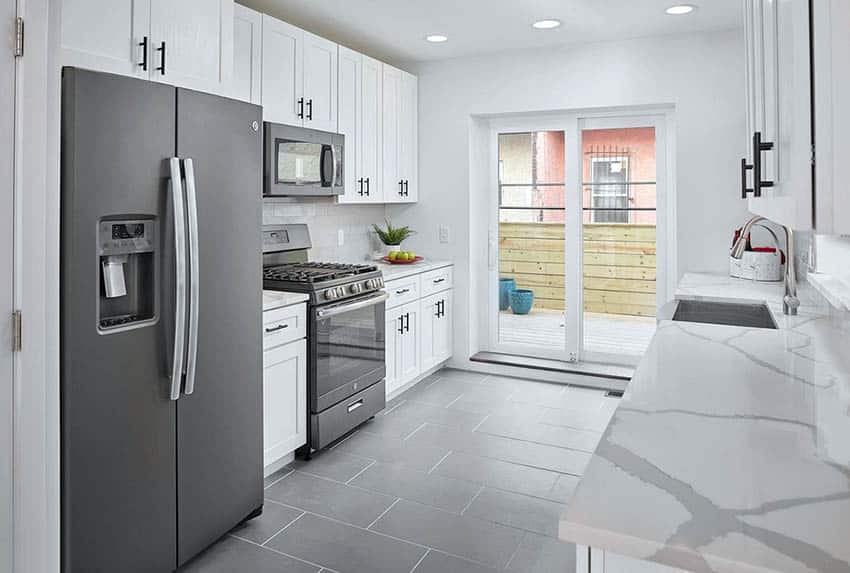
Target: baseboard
[(278, 464), (415, 381)]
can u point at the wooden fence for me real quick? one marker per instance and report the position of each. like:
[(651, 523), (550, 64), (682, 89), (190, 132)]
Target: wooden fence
[(619, 265)]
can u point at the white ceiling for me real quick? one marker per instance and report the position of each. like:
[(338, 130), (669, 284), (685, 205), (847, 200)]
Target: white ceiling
[(394, 30)]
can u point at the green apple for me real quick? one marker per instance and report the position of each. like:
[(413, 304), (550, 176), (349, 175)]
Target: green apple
[(393, 255), (411, 256)]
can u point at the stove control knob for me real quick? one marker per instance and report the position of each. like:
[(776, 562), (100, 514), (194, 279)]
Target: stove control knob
[(355, 288), (331, 294), (340, 291)]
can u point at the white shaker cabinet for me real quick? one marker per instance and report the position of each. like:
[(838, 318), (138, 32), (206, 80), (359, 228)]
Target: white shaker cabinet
[(187, 43), (403, 345), (360, 95), (299, 83), (436, 329), (247, 55), (400, 149), (776, 173)]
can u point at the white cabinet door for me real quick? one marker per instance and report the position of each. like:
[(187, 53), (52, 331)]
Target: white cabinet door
[(436, 329), (284, 400), (350, 122), (408, 133), (391, 179), (283, 77), (409, 352), (394, 331), (107, 35), (779, 109), (320, 77), (247, 54), (371, 141), (192, 43)]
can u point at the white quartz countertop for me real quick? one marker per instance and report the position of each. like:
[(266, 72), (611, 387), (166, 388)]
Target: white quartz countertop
[(392, 272), (273, 299), (730, 451)]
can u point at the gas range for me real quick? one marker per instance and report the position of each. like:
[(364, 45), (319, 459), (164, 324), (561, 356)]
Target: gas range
[(285, 268)]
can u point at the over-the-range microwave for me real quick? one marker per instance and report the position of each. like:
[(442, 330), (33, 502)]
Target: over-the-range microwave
[(302, 162)]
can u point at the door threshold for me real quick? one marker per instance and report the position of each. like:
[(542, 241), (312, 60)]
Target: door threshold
[(597, 370)]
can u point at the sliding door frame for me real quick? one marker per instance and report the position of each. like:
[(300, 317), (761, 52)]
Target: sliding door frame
[(662, 118)]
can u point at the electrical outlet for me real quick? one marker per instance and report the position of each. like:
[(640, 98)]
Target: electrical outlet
[(444, 233), (340, 237)]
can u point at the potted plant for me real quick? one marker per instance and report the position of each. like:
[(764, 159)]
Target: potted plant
[(391, 236)]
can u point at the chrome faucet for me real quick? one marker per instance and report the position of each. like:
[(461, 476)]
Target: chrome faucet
[(790, 302)]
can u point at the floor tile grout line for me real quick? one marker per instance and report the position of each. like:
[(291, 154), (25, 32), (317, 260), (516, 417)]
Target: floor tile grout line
[(539, 443), (441, 460), (471, 501), (383, 513), (277, 551), (342, 441), (514, 554), (479, 424), (421, 559), (355, 476), (394, 407), (449, 405), (419, 427), (289, 473), (303, 513)]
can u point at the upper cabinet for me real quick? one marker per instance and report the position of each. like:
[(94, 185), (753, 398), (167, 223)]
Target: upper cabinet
[(247, 54), (399, 136), (360, 113), (299, 80), (187, 44), (776, 174), (831, 55)]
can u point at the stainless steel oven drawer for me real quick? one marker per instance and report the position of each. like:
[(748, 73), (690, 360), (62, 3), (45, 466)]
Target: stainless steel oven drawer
[(340, 419)]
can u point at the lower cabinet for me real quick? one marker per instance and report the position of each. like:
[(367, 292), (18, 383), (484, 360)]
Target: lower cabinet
[(418, 329), (284, 400), (436, 329)]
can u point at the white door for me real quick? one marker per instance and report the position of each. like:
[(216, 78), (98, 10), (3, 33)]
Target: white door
[(284, 400), (394, 330), (320, 78), (409, 355), (283, 76), (351, 121), (107, 35), (7, 204), (391, 181), (408, 133), (372, 125), (193, 43), (436, 329), (247, 54)]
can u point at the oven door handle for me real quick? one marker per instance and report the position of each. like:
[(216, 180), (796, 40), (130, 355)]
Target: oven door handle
[(349, 306)]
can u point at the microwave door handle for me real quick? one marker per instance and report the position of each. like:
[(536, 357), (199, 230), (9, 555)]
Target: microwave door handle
[(194, 275), (326, 179), (176, 188)]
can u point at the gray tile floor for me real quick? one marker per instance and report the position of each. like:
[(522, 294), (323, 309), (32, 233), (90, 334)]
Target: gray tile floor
[(461, 473)]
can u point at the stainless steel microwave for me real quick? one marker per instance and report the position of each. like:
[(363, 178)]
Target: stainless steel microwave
[(302, 162)]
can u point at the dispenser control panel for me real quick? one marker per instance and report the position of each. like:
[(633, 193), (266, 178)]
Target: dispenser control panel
[(126, 237)]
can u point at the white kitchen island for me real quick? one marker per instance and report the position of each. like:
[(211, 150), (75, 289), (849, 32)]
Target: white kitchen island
[(730, 451)]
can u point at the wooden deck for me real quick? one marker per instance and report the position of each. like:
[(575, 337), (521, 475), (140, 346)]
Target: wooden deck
[(619, 265), (613, 334)]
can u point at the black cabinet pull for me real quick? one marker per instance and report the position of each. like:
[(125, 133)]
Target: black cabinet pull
[(744, 168), (276, 328), (301, 108), (161, 68), (367, 187), (401, 187), (310, 109), (758, 147), (401, 324), (407, 322), (144, 46), (360, 184), (403, 291)]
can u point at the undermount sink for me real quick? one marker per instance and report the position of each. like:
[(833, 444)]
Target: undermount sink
[(754, 315)]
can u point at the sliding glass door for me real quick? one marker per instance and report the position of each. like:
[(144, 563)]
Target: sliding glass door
[(575, 226)]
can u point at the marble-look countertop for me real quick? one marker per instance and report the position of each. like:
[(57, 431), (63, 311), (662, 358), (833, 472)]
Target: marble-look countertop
[(273, 299), (730, 451), (392, 272)]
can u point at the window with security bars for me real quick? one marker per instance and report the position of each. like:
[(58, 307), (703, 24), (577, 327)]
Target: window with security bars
[(531, 177)]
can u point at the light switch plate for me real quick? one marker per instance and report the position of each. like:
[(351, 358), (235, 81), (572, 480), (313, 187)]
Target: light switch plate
[(444, 233)]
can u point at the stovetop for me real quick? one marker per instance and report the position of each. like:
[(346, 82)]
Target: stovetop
[(324, 282), (312, 272)]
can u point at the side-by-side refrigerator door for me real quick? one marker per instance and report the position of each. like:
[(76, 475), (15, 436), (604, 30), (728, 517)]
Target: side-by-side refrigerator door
[(118, 423), (219, 417)]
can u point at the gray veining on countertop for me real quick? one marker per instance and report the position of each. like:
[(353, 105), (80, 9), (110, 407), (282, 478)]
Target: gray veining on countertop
[(730, 451), (392, 272), (273, 299)]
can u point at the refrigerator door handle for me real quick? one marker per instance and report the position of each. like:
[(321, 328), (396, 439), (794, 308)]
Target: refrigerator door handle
[(192, 218), (180, 278)]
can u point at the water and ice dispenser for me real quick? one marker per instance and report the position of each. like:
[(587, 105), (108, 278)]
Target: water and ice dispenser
[(128, 295)]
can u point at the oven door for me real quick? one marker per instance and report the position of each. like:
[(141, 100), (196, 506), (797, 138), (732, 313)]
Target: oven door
[(302, 162), (348, 348)]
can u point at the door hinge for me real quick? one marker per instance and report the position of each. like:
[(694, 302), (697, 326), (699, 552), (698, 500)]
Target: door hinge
[(17, 339), (19, 37)]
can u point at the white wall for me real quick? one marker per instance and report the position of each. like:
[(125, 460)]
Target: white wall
[(702, 75)]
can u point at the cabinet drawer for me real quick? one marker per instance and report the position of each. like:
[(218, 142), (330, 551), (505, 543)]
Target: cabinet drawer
[(283, 325), (404, 290), (436, 281), (334, 422)]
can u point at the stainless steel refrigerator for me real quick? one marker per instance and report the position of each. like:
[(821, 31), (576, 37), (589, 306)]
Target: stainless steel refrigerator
[(161, 364)]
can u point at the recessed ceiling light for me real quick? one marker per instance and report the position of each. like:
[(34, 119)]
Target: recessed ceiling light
[(546, 24), (437, 38), (680, 9)]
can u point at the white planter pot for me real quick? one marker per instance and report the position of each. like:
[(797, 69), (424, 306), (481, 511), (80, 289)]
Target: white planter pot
[(393, 248)]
